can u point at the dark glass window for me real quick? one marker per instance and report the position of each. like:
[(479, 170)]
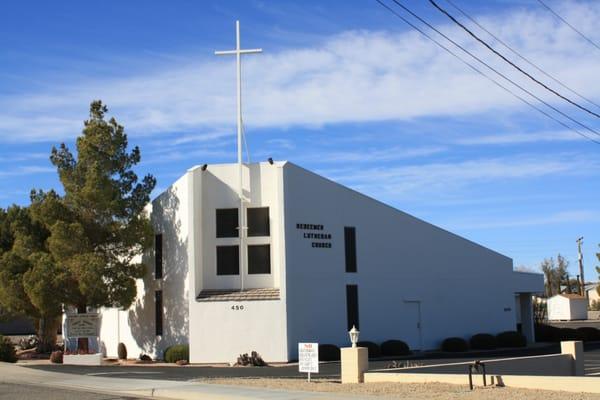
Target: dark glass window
[(227, 222), (158, 316), (258, 221), (350, 244), (158, 256), (259, 259), (228, 260), (352, 305)]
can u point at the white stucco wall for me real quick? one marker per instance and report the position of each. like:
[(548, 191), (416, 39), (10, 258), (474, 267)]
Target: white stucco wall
[(404, 264), (136, 326), (219, 333)]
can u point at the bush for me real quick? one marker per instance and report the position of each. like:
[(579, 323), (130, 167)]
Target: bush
[(588, 334), (511, 339), (177, 352), (546, 333), (145, 357), (455, 344), (483, 341), (7, 350), (329, 352), (374, 350), (122, 351), (394, 348), (253, 359), (56, 357), (567, 334)]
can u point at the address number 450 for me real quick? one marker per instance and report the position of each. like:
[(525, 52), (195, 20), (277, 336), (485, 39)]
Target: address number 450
[(237, 308)]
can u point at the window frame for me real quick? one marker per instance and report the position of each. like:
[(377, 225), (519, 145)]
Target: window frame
[(225, 233), (268, 256), (260, 233), (237, 259)]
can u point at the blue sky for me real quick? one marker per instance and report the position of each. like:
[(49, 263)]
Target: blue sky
[(342, 88)]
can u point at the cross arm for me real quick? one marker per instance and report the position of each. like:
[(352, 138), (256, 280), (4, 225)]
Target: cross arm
[(229, 52)]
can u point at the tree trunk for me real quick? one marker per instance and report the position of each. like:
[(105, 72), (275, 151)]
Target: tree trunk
[(47, 328), (83, 344)]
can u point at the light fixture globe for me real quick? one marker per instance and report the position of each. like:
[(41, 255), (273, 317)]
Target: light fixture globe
[(354, 335)]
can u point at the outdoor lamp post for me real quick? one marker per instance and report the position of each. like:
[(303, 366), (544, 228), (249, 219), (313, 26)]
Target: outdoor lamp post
[(353, 335)]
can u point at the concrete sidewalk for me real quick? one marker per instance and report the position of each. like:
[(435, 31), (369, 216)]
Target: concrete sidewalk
[(13, 373)]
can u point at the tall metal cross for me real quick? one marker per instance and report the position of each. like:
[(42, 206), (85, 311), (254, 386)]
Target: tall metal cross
[(242, 215)]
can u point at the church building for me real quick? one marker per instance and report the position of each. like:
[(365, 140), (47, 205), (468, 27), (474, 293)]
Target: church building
[(312, 259)]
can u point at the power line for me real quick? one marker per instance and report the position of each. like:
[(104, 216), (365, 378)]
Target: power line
[(484, 74), (495, 70), (521, 56), (521, 70), (569, 25)]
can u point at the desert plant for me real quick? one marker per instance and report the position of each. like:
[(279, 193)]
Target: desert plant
[(394, 348), (176, 353), (595, 306), (145, 357), (56, 357), (511, 339), (588, 334), (455, 344), (122, 351), (7, 350), (483, 341), (253, 359), (329, 352), (374, 350)]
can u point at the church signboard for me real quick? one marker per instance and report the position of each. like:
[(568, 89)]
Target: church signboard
[(82, 325)]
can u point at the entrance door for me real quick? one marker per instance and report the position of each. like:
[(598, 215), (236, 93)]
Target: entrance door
[(413, 335)]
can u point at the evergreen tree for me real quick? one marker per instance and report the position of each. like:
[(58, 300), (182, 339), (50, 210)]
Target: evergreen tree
[(101, 226)]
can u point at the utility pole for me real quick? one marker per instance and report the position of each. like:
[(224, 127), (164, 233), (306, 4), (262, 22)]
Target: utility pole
[(580, 257), (242, 213)]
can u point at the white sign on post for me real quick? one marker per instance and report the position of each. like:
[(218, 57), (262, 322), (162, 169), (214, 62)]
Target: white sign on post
[(308, 358)]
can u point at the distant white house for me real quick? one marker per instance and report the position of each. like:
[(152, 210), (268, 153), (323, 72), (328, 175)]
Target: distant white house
[(591, 290), (567, 307), (316, 259)]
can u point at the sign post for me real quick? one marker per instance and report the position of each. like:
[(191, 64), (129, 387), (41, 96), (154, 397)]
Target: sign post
[(308, 358)]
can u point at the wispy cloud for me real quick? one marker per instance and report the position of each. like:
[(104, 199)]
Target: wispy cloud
[(350, 77), (447, 177), (517, 138), (26, 170), (563, 217)]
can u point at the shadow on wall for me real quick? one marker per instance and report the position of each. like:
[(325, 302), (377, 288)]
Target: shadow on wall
[(166, 220)]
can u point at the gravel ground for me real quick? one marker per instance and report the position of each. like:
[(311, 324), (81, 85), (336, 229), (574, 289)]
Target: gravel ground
[(406, 391)]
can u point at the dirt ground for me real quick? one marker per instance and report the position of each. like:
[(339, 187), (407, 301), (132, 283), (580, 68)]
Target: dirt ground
[(406, 391)]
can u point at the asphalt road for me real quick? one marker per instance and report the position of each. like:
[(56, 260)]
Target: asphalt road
[(326, 370), (9, 391)]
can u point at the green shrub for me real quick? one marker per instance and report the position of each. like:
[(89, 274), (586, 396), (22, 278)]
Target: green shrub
[(511, 339), (455, 344), (8, 353), (546, 333), (588, 334), (56, 357), (178, 352), (122, 351), (329, 352), (374, 350), (394, 348), (483, 341), (567, 334), (253, 359)]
